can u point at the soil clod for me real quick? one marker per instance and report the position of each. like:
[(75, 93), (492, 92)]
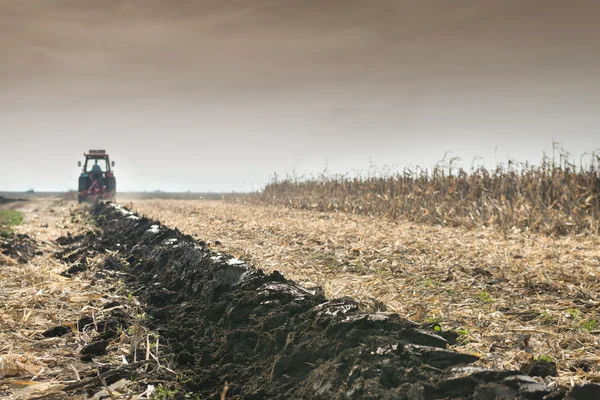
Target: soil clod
[(20, 247), (584, 392), (542, 368), (84, 322), (74, 270), (57, 331), (95, 349)]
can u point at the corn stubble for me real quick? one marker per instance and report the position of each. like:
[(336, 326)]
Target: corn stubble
[(556, 197)]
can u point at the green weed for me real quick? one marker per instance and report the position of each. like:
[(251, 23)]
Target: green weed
[(163, 393), (463, 336), (590, 324), (9, 219), (546, 318), (485, 297), (574, 313)]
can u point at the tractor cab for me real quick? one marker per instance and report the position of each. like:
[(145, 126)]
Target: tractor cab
[(97, 180)]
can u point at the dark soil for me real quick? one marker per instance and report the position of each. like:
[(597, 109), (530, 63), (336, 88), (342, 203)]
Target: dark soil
[(267, 337), (102, 332), (19, 247), (542, 368), (96, 348), (57, 331), (6, 200), (77, 250)]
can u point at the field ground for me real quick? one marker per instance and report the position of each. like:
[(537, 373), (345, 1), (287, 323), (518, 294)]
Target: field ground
[(511, 297), (36, 296)]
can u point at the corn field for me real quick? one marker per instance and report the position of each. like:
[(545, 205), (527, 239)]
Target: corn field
[(556, 197)]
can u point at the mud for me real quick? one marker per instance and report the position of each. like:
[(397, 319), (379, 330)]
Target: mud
[(264, 336), (19, 247)]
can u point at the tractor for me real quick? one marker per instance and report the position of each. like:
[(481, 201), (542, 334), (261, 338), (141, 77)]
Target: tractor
[(97, 180)]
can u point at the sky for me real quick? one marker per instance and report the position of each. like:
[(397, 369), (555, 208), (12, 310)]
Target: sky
[(209, 95)]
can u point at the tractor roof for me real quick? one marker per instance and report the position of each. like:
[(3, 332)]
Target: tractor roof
[(96, 154)]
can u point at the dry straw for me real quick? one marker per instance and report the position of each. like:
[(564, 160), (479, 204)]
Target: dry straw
[(35, 297), (556, 197)]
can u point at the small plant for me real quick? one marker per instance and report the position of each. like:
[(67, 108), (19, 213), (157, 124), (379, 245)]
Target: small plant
[(574, 313), (485, 297), (463, 335), (163, 393), (434, 324), (428, 282), (436, 319), (383, 272), (545, 358), (181, 378), (547, 318), (141, 316), (590, 324)]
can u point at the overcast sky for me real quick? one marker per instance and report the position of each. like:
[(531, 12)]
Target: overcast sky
[(218, 95)]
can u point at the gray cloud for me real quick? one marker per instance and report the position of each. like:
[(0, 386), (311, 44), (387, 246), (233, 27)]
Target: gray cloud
[(273, 85)]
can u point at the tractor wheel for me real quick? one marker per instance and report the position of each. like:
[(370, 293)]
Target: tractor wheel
[(83, 187), (111, 184), (111, 187), (83, 184)]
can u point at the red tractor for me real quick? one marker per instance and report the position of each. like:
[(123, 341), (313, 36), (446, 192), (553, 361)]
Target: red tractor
[(97, 180)]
